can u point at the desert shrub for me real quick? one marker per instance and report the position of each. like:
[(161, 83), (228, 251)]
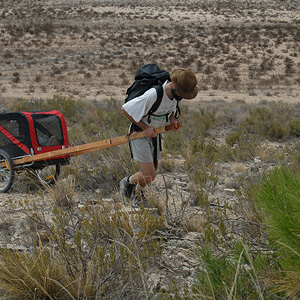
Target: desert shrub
[(174, 142), (195, 125), (8, 54), (267, 64), (203, 182), (199, 164), (243, 272), (87, 252), (237, 276), (260, 121), (206, 146), (240, 147), (289, 66), (274, 122), (293, 127), (34, 28), (71, 109), (102, 168), (167, 161), (111, 118), (278, 197)]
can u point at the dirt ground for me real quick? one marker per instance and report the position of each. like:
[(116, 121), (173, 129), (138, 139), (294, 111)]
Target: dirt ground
[(240, 50)]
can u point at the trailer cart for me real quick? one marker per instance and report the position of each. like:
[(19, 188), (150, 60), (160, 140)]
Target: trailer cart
[(39, 141)]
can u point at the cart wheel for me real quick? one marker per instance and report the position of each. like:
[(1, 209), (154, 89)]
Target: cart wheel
[(49, 174), (7, 171)]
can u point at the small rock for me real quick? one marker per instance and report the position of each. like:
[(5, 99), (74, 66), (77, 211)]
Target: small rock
[(230, 191), (257, 160)]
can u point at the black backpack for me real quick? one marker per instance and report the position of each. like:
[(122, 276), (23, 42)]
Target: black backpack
[(148, 76)]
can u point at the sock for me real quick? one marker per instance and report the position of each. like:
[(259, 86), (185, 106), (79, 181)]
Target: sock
[(129, 179)]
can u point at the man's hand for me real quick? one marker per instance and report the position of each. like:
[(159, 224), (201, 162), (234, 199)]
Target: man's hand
[(174, 122), (150, 131)]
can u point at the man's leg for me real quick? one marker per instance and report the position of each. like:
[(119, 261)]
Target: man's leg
[(145, 176), (142, 150), (140, 178)]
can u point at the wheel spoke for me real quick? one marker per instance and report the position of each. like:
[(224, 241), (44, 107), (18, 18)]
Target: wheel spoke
[(6, 171)]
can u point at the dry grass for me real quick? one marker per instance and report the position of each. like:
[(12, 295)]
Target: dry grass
[(241, 53)]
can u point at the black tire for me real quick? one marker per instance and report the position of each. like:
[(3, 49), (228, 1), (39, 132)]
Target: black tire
[(49, 174), (7, 171)]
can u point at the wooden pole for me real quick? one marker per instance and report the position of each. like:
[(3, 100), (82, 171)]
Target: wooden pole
[(90, 147)]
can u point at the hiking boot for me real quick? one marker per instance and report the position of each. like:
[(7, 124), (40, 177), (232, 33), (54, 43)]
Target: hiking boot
[(126, 188)]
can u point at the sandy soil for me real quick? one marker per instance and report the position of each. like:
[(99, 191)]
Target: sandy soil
[(239, 50)]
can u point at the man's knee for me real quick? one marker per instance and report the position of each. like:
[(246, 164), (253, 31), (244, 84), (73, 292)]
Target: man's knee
[(148, 172), (150, 177)]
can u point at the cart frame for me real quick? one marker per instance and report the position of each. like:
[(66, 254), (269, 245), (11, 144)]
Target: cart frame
[(59, 156)]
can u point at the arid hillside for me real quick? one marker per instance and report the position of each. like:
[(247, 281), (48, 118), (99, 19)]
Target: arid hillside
[(240, 50)]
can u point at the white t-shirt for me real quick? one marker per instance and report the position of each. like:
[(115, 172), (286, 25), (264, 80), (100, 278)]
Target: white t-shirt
[(138, 108)]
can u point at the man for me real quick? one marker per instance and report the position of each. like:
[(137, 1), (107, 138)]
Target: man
[(146, 151)]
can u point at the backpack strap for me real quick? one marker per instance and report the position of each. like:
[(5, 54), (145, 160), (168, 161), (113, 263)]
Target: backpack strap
[(155, 106), (178, 111)]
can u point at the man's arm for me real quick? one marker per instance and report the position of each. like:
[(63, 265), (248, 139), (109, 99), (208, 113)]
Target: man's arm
[(149, 130)]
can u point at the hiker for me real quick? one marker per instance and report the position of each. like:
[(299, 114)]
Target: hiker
[(181, 84)]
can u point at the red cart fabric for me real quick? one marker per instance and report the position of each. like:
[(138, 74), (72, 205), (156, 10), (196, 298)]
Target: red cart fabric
[(28, 133)]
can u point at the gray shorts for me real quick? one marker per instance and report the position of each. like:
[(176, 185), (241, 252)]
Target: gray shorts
[(142, 149)]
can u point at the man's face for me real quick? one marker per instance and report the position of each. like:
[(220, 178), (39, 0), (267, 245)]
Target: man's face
[(174, 93)]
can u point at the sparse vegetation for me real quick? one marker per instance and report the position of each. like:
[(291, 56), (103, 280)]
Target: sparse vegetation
[(254, 54), (86, 252), (212, 231), (203, 154)]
